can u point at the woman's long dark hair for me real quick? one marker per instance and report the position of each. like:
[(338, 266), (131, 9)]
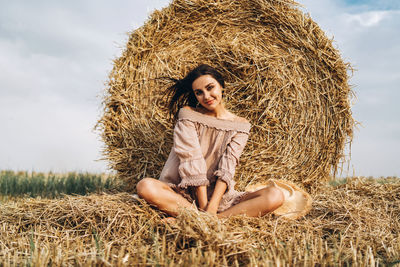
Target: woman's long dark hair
[(181, 93)]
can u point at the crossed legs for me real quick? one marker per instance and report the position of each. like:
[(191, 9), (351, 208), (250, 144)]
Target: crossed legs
[(257, 203), (162, 196), (254, 204)]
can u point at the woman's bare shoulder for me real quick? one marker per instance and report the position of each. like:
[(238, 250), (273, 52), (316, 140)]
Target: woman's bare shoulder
[(187, 107), (194, 109)]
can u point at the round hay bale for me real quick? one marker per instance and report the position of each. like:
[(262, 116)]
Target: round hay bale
[(282, 73)]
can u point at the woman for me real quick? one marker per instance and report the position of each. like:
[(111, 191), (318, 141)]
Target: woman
[(208, 141)]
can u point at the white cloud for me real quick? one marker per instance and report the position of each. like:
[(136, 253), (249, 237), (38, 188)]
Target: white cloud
[(48, 134), (367, 19), (55, 57)]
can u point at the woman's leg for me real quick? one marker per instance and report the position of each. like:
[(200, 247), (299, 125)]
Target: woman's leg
[(161, 195), (256, 203)]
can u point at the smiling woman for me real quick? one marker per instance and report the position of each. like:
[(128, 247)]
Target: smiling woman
[(208, 140), (281, 73)]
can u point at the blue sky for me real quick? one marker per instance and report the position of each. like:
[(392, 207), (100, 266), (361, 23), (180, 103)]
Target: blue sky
[(373, 4), (55, 57)]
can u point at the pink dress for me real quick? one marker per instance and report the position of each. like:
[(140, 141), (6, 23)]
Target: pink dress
[(205, 149)]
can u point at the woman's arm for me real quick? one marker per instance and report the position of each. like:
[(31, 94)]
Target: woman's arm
[(201, 194), (192, 167), (216, 197)]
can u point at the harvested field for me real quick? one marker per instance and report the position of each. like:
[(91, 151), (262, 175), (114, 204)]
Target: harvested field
[(282, 73), (353, 222)]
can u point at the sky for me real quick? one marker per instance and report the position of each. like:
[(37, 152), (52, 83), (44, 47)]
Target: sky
[(55, 57)]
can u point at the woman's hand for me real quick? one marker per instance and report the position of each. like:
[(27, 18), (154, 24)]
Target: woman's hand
[(212, 208), (216, 197)]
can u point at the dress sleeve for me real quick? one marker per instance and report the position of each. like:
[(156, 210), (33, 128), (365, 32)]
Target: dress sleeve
[(230, 159), (192, 167)]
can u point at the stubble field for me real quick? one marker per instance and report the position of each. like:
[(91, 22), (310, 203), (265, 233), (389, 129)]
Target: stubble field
[(354, 221)]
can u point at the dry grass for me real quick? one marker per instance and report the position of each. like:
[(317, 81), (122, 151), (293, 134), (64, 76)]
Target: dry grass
[(352, 223), (282, 73)]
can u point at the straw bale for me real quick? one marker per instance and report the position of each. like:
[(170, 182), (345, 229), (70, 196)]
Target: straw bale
[(356, 223), (283, 74)]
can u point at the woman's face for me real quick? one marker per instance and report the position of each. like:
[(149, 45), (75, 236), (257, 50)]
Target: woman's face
[(208, 91)]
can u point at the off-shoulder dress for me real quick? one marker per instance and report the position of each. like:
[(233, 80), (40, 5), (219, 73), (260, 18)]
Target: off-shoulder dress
[(205, 149)]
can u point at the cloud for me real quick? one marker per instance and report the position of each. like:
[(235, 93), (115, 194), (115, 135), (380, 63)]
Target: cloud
[(367, 19), (63, 48), (55, 57), (48, 134)]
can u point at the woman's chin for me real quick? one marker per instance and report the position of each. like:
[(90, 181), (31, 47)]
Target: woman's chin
[(209, 107), (212, 107)]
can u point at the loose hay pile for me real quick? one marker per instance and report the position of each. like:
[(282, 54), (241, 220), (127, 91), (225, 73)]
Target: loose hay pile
[(283, 74), (357, 223)]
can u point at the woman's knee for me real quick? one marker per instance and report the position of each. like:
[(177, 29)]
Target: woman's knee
[(146, 188), (274, 197)]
